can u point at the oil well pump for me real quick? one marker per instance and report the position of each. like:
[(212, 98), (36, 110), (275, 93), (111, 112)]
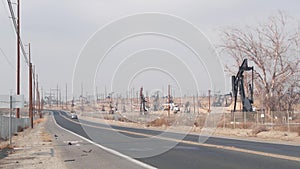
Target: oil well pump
[(238, 86)]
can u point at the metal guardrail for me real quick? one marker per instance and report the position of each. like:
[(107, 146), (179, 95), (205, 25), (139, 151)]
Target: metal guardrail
[(17, 125)]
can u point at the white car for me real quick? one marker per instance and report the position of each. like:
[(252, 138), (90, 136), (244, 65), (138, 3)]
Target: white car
[(74, 116)]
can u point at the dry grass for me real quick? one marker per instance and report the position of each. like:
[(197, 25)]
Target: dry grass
[(158, 122), (4, 146), (199, 122), (46, 137), (108, 117), (248, 125), (259, 129), (38, 121), (295, 129), (163, 121)]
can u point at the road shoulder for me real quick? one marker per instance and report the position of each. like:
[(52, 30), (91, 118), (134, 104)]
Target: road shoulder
[(33, 148)]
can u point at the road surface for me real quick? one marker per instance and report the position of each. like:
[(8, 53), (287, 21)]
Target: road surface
[(215, 153)]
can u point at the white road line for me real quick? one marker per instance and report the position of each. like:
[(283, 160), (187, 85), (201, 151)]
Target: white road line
[(108, 149), (208, 145)]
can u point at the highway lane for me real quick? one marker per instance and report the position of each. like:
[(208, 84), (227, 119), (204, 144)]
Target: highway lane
[(189, 156), (196, 156), (288, 150), (78, 152)]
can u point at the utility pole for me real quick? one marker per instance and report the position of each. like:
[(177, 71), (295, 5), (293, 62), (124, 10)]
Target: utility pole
[(57, 96), (137, 98), (81, 96), (34, 93), (50, 99), (60, 100), (194, 104), (105, 91), (96, 94), (131, 97), (18, 54), (209, 100), (66, 96), (42, 100), (30, 89), (169, 99), (197, 103), (38, 96)]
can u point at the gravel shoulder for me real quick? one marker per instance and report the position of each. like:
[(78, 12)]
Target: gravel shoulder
[(32, 148)]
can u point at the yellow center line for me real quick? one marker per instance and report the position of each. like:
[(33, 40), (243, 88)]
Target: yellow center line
[(195, 143)]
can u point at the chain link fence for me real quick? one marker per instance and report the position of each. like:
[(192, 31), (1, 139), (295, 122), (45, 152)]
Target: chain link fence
[(18, 125)]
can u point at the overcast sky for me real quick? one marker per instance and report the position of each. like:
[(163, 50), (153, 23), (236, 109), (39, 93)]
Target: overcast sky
[(59, 29)]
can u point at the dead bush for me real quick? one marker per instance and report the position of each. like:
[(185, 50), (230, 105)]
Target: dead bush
[(108, 117), (158, 122), (259, 129), (166, 121), (196, 124), (281, 128), (38, 121), (20, 129), (200, 121), (248, 125)]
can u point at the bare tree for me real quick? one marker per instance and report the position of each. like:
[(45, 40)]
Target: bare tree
[(273, 48)]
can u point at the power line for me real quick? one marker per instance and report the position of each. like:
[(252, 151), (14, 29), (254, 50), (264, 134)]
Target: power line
[(17, 32), (6, 58)]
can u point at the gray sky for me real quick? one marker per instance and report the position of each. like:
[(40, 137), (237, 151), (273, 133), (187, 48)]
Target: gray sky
[(58, 30)]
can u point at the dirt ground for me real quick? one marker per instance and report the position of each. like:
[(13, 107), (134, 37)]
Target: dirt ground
[(31, 148)]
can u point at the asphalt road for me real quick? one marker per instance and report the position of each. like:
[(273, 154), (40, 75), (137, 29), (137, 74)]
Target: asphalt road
[(76, 152), (184, 155)]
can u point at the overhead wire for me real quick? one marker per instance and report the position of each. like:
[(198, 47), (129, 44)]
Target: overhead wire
[(13, 17), (6, 58), (2, 51), (17, 32)]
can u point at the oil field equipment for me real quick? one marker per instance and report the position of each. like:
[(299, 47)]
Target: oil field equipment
[(238, 86)]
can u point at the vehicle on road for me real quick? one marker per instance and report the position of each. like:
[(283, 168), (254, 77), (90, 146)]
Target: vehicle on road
[(74, 116)]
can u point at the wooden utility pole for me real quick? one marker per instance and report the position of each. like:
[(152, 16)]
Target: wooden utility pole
[(96, 94), (194, 104), (66, 96), (198, 103), (30, 89), (209, 100), (33, 92), (81, 96), (57, 96), (60, 99), (169, 99), (42, 99), (50, 99), (131, 97), (18, 54), (38, 96)]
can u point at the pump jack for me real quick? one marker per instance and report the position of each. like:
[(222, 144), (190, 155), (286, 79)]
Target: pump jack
[(238, 85)]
